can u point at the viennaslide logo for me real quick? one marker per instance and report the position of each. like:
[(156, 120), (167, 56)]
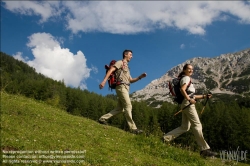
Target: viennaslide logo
[(233, 155)]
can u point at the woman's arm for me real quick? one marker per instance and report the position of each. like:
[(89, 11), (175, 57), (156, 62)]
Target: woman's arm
[(184, 93), (203, 96)]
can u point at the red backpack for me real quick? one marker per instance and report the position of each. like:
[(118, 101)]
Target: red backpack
[(112, 77)]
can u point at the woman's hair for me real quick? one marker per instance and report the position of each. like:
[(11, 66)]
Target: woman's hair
[(184, 68), (125, 52)]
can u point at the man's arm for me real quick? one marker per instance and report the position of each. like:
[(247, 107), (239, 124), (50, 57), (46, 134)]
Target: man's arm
[(132, 80), (111, 70)]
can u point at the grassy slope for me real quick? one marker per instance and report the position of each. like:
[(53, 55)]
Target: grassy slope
[(31, 125)]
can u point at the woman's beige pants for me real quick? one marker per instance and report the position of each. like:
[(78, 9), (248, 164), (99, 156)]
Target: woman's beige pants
[(190, 118)]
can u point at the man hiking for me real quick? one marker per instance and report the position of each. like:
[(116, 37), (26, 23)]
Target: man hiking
[(124, 79)]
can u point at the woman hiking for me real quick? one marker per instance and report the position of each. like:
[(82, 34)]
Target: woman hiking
[(190, 116)]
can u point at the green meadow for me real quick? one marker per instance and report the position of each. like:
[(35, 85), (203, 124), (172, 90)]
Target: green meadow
[(39, 130)]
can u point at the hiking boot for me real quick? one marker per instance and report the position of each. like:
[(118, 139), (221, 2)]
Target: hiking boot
[(164, 140), (136, 131), (167, 138), (207, 153), (103, 121)]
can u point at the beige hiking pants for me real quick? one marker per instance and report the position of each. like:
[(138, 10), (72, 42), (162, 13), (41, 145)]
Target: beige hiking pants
[(123, 105), (190, 118)]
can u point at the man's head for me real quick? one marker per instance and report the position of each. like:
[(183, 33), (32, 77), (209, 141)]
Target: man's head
[(127, 55)]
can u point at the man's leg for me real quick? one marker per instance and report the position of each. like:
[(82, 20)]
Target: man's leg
[(111, 113), (123, 97), (103, 119)]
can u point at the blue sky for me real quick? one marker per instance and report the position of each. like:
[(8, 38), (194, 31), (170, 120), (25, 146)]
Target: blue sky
[(73, 40)]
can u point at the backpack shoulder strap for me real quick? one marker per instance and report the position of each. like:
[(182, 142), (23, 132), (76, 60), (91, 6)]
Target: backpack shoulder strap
[(121, 67), (189, 82)]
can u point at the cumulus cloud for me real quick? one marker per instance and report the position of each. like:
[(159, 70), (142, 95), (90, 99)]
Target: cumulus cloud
[(130, 17), (56, 62), (19, 57), (94, 69), (44, 9)]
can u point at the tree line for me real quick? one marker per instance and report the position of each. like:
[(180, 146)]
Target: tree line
[(225, 120)]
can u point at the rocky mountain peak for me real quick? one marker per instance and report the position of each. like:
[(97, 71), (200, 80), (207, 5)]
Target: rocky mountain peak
[(228, 73)]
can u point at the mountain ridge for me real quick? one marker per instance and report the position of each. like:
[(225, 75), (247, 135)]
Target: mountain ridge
[(228, 73)]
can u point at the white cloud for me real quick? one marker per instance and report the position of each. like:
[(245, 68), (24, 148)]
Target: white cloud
[(94, 69), (45, 9), (182, 46), (143, 16), (105, 16), (56, 62), (129, 17), (19, 57)]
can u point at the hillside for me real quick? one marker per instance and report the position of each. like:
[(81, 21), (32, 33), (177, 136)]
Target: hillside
[(225, 74), (54, 117), (36, 128)]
